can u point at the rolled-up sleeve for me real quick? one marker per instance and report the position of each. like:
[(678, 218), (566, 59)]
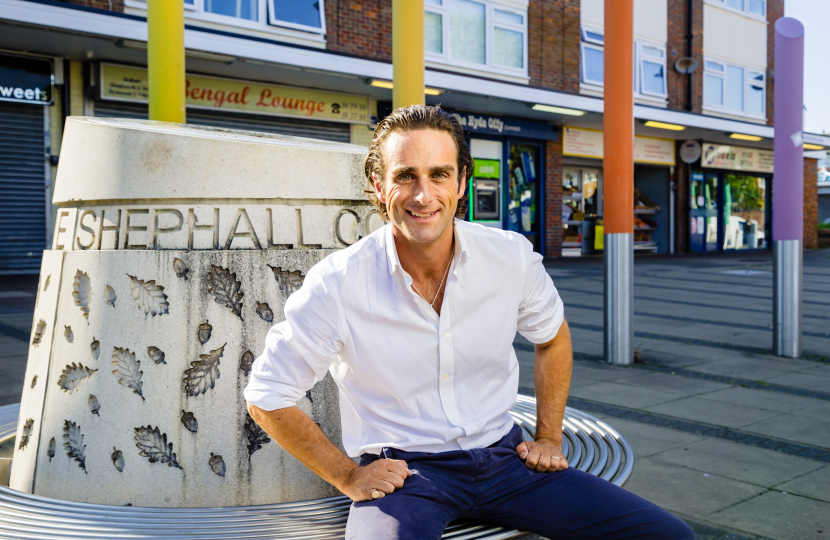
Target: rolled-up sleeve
[(299, 350), (541, 311)]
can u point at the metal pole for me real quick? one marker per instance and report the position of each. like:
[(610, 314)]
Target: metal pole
[(788, 187), (618, 186), (165, 60), (407, 53)]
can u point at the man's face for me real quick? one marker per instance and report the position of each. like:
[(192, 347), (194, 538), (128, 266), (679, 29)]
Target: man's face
[(421, 188)]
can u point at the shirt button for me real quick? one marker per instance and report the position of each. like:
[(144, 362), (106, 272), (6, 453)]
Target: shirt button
[(443, 334), (446, 376)]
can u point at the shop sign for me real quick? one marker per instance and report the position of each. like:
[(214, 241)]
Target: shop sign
[(26, 79), (581, 142), (486, 168), (690, 151), (496, 125), (736, 158), (124, 83)]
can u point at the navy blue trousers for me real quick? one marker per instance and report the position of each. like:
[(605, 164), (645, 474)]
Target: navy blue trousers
[(492, 484)]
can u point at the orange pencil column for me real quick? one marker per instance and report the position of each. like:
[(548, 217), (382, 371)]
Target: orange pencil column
[(618, 181)]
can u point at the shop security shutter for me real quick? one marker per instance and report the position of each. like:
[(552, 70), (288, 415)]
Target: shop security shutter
[(22, 191), (314, 129)]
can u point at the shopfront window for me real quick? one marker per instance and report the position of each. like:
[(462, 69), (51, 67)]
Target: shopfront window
[(523, 204), (744, 212)]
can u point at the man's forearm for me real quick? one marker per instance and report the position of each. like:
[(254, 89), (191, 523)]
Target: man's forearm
[(552, 364), (295, 432)]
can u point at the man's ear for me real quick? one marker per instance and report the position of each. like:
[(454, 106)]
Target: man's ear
[(378, 188), (462, 183)]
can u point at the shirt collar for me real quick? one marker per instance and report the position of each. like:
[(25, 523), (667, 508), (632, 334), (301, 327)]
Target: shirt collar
[(461, 247)]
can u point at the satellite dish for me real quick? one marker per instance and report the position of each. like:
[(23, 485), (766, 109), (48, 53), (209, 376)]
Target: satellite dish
[(685, 64)]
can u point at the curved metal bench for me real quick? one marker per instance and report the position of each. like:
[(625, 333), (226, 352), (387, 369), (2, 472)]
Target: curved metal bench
[(589, 445)]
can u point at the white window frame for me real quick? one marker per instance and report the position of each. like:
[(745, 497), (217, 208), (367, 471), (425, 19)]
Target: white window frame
[(747, 83), (586, 42), (445, 57), (265, 22), (745, 11), (638, 67)]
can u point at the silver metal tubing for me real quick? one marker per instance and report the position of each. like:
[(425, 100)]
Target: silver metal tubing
[(587, 445), (618, 300), (786, 319)]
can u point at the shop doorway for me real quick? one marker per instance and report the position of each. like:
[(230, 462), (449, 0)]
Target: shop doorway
[(729, 211)]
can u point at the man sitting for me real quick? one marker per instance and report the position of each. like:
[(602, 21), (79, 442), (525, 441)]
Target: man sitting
[(416, 324)]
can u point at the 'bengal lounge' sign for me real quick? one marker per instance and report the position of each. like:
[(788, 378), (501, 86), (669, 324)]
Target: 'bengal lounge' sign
[(125, 83)]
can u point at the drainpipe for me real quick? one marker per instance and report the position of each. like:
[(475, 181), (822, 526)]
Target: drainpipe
[(690, 10)]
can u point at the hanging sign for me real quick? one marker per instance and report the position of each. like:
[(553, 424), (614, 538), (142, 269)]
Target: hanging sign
[(581, 142), (125, 83), (690, 151), (736, 158), (26, 79)]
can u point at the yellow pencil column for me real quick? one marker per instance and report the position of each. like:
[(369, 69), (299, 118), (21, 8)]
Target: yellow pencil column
[(407, 52), (165, 60)]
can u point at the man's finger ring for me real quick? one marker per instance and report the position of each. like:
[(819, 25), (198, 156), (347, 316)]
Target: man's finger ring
[(556, 457), (376, 494)]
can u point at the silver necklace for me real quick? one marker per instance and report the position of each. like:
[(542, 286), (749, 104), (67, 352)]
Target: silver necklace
[(447, 271)]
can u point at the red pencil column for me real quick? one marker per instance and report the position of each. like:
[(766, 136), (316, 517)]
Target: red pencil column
[(618, 181)]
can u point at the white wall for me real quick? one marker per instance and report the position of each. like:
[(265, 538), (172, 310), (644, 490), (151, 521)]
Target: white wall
[(734, 37), (650, 18)]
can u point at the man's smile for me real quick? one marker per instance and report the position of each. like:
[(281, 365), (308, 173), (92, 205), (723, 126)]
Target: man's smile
[(420, 215)]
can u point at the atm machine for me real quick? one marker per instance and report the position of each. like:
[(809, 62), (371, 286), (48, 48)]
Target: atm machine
[(485, 192)]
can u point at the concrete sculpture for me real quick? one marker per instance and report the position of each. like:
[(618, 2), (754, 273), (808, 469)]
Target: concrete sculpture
[(175, 248)]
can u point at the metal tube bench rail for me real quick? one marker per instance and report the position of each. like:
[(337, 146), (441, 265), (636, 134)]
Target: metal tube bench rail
[(588, 443)]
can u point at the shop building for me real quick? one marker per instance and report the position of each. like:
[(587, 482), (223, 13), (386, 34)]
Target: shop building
[(525, 74)]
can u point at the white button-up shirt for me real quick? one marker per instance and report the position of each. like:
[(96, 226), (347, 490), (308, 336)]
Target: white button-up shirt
[(408, 378)]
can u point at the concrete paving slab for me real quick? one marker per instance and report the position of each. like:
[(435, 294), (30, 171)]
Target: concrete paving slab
[(820, 412), (664, 381), (778, 516), (809, 381), (802, 429), (739, 367), (739, 462), (813, 484), (624, 395), (679, 489), (647, 440), (602, 371), (712, 412), (764, 399)]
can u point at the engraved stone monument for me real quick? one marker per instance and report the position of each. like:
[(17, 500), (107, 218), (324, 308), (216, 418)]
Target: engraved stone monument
[(175, 248)]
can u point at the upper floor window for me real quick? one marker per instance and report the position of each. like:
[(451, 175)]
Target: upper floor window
[(649, 64), (478, 35), (754, 7), (304, 15), (735, 89), (593, 56)]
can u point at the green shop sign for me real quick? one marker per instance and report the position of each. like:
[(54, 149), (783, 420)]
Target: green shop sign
[(486, 168)]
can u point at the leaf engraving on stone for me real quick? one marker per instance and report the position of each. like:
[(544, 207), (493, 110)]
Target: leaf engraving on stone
[(288, 281), (73, 376), (204, 332), (51, 450), (149, 296), (117, 459), (156, 355), (34, 381), (226, 290), (26, 433), (264, 312), (181, 269), (246, 362), (203, 374), (46, 283), (256, 436), (109, 294), (127, 368), (39, 329), (82, 292), (73, 443), (94, 406), (190, 422), (95, 348), (154, 446), (68, 334), (217, 464)]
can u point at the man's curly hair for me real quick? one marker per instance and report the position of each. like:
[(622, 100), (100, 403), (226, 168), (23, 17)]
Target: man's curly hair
[(412, 118)]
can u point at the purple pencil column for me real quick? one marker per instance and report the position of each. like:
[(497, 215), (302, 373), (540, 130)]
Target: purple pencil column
[(788, 186)]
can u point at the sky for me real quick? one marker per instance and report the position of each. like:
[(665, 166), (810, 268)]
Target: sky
[(815, 16)]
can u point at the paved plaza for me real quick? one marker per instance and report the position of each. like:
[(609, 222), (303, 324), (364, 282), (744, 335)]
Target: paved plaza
[(729, 437)]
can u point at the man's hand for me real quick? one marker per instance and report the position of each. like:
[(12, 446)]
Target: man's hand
[(542, 455), (383, 475)]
